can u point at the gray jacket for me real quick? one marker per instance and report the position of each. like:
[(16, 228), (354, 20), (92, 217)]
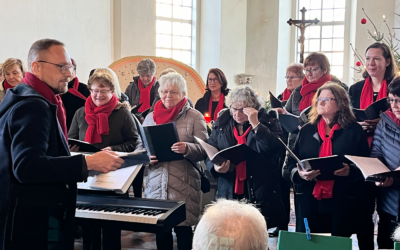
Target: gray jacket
[(133, 93), (179, 180)]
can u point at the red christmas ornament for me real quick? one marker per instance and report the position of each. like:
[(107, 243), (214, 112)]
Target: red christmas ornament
[(363, 21), (358, 64)]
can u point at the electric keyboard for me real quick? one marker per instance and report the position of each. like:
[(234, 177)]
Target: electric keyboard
[(135, 214)]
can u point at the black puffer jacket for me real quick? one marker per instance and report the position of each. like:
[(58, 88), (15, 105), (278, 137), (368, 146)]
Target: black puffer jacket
[(386, 147), (262, 183)]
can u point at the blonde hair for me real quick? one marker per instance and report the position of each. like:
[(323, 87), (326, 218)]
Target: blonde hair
[(106, 77), (9, 63)]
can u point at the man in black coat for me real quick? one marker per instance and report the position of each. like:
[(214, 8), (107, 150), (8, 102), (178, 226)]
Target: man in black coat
[(37, 174)]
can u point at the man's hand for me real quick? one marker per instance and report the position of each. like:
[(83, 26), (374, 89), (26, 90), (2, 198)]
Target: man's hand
[(308, 176), (179, 147), (223, 168), (104, 161)]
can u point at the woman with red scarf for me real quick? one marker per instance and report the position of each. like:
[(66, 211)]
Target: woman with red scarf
[(257, 180), (386, 146), (107, 124), (213, 100), (13, 72), (178, 180), (341, 206), (294, 77), (380, 69)]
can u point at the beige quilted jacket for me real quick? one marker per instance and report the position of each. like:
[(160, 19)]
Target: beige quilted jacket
[(179, 180)]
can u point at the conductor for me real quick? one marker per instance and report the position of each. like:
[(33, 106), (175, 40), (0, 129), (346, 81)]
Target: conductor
[(37, 174)]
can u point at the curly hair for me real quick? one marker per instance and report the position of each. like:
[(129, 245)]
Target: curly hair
[(344, 116), (245, 96)]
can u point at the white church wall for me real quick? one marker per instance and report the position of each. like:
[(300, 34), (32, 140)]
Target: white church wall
[(84, 26)]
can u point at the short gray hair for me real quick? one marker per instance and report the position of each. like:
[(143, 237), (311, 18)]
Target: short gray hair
[(245, 96), (173, 79), (40, 45), (230, 224), (146, 66)]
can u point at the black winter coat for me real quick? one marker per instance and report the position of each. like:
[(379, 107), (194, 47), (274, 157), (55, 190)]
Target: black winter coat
[(72, 103), (386, 147), (133, 93), (352, 204), (263, 187), (355, 94), (37, 174), (203, 103)]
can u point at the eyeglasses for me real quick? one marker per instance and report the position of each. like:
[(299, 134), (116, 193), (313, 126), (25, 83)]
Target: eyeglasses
[(173, 93), (236, 110), (213, 80), (290, 77), (391, 101), (103, 91), (325, 99), (63, 68), (312, 71)]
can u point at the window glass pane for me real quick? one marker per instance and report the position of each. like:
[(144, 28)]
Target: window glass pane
[(338, 31), (327, 4), (187, 3), (340, 3), (337, 59), (329, 56), (305, 56), (315, 4), (326, 45), (163, 53), (339, 15), (163, 41), (315, 14), (306, 48), (163, 10), (177, 12), (326, 31), (186, 29), (177, 28), (187, 13), (186, 57), (177, 2), (164, 1), (337, 71), (163, 27), (314, 31), (177, 55), (338, 44), (314, 44), (306, 33), (305, 4), (327, 15), (179, 42)]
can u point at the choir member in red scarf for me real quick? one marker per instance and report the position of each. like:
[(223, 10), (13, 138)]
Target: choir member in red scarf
[(380, 69), (76, 96), (247, 122), (345, 205), (213, 100), (107, 124), (294, 77), (13, 72), (144, 88), (178, 180), (385, 146)]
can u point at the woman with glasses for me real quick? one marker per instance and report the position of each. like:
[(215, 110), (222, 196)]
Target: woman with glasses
[(256, 180), (385, 147), (178, 180), (332, 206), (13, 73), (380, 69), (294, 77), (216, 89)]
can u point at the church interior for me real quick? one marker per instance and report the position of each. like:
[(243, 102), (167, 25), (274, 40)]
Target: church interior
[(251, 41)]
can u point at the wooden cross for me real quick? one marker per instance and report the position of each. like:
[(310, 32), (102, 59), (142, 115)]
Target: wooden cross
[(302, 25)]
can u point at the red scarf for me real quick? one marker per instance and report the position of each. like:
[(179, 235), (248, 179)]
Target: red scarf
[(97, 119), (43, 89), (286, 94), (74, 89), (323, 189), (145, 94), (367, 94), (309, 89), (392, 116), (241, 167), (6, 86), (219, 107), (163, 115)]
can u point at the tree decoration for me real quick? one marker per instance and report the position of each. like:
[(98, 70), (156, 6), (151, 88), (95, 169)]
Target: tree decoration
[(358, 64), (363, 21)]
